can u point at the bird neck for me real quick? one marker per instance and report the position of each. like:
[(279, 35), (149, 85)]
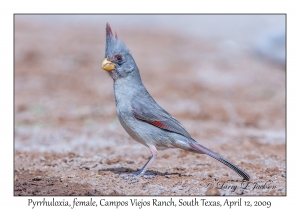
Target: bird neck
[(127, 87)]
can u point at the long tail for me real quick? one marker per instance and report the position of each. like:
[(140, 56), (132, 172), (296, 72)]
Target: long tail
[(203, 149)]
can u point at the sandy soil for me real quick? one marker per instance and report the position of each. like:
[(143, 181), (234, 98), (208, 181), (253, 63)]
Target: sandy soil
[(68, 140)]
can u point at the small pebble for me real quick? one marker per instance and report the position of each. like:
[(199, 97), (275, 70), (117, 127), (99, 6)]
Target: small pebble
[(171, 176), (37, 178)]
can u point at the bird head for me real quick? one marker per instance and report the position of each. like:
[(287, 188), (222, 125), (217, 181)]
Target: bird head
[(118, 60)]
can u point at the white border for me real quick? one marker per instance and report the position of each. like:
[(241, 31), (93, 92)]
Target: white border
[(8, 201)]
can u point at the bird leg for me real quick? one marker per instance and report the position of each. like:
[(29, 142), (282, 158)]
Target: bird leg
[(142, 171)]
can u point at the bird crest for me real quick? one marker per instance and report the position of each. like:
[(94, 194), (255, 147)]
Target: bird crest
[(109, 31), (113, 45)]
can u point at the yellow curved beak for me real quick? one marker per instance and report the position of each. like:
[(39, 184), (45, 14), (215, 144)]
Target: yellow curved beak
[(107, 65)]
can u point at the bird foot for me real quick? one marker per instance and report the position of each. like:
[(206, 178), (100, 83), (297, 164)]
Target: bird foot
[(136, 175), (146, 175), (131, 176)]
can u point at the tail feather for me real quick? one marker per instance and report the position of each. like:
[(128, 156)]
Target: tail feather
[(207, 151)]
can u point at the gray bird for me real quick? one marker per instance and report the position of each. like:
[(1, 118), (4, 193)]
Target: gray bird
[(143, 119)]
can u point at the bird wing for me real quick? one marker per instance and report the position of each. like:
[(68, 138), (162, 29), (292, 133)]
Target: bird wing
[(149, 111)]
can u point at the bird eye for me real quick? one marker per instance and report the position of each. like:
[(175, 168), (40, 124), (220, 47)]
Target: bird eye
[(118, 58)]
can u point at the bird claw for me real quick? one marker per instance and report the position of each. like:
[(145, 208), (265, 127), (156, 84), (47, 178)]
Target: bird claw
[(131, 176), (139, 174), (136, 175)]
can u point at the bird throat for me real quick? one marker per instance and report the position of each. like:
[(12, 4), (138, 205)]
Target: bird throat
[(114, 74)]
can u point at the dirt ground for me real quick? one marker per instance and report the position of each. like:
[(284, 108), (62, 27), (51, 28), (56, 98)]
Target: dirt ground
[(68, 140)]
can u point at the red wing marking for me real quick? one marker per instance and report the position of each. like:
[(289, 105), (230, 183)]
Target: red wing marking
[(159, 124), (167, 122)]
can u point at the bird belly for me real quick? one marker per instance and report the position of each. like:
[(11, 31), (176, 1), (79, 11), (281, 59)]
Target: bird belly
[(131, 131)]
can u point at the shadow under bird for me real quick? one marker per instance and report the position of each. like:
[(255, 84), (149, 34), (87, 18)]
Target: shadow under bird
[(143, 119)]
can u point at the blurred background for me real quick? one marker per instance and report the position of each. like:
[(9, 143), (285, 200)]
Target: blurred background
[(227, 68), (221, 76)]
